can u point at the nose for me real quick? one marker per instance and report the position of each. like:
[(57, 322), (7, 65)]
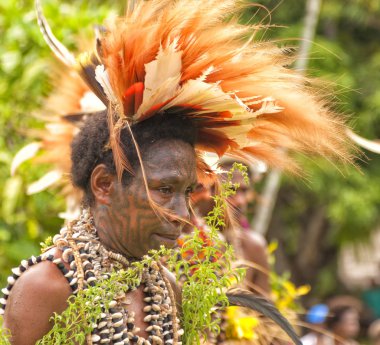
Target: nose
[(181, 207)]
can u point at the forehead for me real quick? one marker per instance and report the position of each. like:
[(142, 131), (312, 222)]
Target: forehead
[(173, 159)]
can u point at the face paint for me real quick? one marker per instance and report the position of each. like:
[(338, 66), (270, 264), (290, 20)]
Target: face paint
[(129, 225)]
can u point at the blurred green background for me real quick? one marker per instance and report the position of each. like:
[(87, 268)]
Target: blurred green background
[(327, 209)]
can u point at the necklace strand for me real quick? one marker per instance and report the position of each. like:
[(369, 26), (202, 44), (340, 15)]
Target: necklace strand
[(85, 262), (97, 263)]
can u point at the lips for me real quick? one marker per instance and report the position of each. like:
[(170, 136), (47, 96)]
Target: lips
[(167, 239), (169, 236)]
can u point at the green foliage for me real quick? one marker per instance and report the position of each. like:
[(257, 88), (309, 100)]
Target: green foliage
[(25, 74), (208, 272), (346, 56), (46, 244), (4, 334)]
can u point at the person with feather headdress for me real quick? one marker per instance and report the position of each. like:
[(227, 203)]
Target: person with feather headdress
[(169, 93), (250, 247)]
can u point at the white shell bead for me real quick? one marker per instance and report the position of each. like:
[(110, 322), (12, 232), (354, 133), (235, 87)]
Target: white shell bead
[(11, 280), (95, 337), (117, 315), (16, 271), (69, 274), (118, 323), (156, 307), (117, 336), (102, 324), (112, 304)]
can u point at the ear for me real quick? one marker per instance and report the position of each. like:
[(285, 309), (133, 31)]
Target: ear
[(102, 184)]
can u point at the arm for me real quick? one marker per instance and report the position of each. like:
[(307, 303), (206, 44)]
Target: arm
[(36, 295), (254, 250)]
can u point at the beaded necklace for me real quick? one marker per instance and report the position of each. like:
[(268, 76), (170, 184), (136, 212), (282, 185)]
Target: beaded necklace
[(89, 262)]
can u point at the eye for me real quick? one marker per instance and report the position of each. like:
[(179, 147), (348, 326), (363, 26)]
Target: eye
[(189, 190), (166, 190)]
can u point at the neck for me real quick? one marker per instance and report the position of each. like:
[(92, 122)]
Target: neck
[(104, 227)]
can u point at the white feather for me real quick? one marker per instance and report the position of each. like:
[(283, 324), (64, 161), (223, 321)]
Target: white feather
[(369, 145), (162, 77), (101, 75), (27, 152), (91, 103), (44, 182)]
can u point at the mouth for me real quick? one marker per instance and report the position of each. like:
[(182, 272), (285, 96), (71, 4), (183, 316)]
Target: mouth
[(168, 240)]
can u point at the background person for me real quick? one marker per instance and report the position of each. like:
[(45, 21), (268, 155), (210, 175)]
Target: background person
[(247, 244), (374, 332), (343, 322)]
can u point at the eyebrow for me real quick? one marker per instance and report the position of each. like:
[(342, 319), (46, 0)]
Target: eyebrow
[(174, 179)]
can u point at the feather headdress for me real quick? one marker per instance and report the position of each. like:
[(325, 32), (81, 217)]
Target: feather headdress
[(189, 57)]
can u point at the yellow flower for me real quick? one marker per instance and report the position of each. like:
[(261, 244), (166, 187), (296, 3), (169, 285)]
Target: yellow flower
[(303, 290), (240, 326)]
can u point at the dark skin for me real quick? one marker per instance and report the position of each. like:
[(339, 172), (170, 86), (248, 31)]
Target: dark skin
[(126, 224), (254, 250)]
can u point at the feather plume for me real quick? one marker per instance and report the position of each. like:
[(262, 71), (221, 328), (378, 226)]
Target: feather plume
[(121, 160), (89, 68), (132, 99), (44, 182), (205, 174), (57, 47), (370, 145), (27, 152), (191, 58), (162, 78), (243, 298)]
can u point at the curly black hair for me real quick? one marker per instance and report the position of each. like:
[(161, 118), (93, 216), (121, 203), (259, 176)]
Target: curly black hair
[(90, 146)]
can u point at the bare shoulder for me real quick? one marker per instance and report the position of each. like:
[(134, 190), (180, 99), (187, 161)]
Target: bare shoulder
[(254, 248), (36, 295), (252, 239)]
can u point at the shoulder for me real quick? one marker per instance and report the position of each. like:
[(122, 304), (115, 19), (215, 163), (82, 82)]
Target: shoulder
[(252, 238), (36, 295), (254, 245), (254, 249), (44, 277)]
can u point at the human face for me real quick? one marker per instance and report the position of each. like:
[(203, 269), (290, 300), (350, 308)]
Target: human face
[(242, 197), (129, 225), (348, 326), (202, 200)]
